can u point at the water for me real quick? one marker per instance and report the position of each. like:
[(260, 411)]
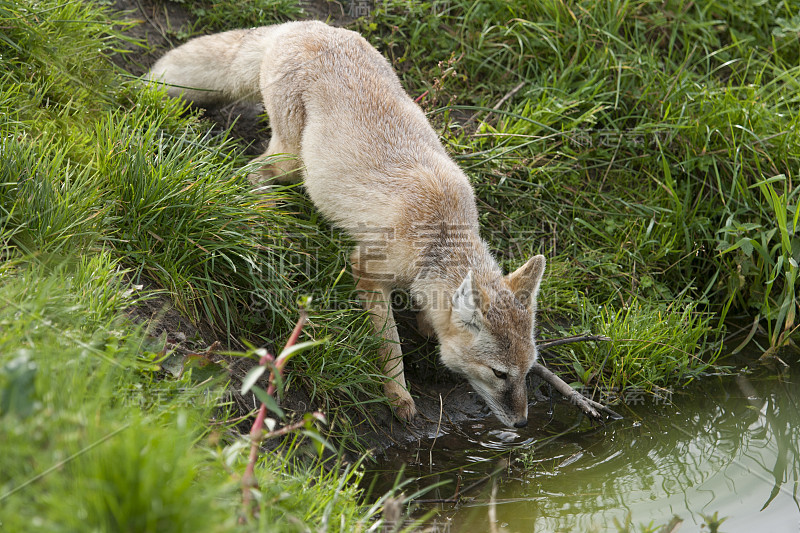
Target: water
[(726, 444)]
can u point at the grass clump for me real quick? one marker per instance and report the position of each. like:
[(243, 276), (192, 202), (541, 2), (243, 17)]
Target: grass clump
[(84, 446), (106, 443), (651, 348)]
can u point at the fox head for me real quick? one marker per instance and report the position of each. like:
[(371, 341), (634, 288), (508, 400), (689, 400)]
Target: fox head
[(490, 338)]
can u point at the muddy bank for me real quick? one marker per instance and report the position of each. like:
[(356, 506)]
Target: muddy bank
[(444, 401)]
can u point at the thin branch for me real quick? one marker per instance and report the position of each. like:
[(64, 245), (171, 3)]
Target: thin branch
[(568, 340), (590, 407), (292, 427)]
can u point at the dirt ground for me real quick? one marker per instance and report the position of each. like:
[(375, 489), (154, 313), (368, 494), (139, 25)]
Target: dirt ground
[(442, 405)]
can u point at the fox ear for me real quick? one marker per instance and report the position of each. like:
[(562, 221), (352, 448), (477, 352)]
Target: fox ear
[(466, 311), (524, 282)]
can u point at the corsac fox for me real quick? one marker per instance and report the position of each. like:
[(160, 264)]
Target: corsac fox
[(372, 164)]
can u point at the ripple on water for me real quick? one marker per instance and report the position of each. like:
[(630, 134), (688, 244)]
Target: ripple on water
[(721, 447)]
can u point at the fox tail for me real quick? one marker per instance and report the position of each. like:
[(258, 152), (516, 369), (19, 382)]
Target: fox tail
[(215, 69)]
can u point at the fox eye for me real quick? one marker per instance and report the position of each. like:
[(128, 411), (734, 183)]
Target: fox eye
[(500, 375)]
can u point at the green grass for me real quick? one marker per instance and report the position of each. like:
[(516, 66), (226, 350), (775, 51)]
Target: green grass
[(653, 348), (107, 444), (650, 149), (640, 149), (215, 16)]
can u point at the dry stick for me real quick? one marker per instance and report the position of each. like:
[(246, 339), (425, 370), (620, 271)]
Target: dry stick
[(502, 101), (590, 407), (256, 432), (567, 340)]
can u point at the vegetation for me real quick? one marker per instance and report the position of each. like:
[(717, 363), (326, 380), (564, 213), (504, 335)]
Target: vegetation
[(209, 16), (649, 148), (110, 195)]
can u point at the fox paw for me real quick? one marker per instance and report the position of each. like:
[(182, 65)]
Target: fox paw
[(405, 410), (272, 175), (260, 180), (404, 407)]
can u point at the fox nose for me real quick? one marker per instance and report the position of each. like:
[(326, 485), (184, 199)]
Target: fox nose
[(521, 423)]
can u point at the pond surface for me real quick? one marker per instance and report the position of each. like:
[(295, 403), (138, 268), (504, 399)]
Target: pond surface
[(726, 445)]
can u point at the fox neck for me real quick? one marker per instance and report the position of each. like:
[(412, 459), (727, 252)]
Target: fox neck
[(445, 266)]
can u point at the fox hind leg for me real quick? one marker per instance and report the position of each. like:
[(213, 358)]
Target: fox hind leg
[(283, 167), (283, 104)]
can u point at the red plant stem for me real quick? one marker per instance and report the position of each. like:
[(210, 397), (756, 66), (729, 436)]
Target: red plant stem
[(257, 431), (281, 362)]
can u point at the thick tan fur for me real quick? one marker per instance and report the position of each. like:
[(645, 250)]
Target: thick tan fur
[(372, 163)]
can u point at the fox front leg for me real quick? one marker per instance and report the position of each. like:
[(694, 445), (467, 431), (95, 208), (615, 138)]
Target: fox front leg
[(377, 300)]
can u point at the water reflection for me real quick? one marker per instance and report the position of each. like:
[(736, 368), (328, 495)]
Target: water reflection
[(726, 445)]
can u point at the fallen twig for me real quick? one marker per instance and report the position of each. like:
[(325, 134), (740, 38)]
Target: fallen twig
[(590, 407), (567, 340)]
